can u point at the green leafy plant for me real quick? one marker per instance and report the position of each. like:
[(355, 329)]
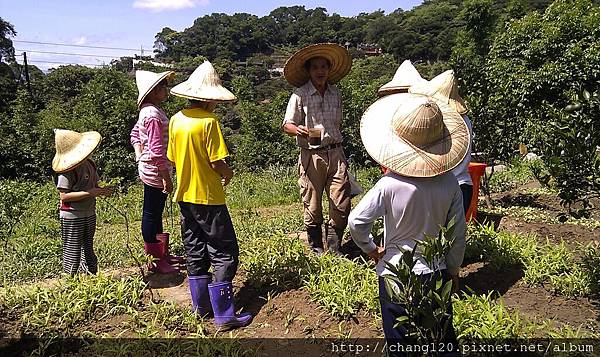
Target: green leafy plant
[(426, 301)]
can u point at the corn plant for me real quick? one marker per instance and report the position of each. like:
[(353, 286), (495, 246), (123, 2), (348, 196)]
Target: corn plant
[(342, 287), (591, 267), (481, 317), (548, 261), (74, 300), (573, 283), (276, 259)]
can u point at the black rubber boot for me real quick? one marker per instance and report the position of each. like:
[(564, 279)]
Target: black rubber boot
[(334, 240), (315, 239)]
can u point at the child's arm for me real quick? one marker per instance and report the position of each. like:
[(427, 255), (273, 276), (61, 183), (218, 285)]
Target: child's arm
[(73, 196), (223, 169), (136, 142), (138, 148)]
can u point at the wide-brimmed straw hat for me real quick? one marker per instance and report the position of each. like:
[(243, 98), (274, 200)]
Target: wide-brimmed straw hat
[(72, 148), (204, 84), (146, 81), (413, 135), (339, 58), (445, 88), (405, 77)]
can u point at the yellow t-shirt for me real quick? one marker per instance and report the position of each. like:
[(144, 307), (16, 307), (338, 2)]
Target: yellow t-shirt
[(195, 140)]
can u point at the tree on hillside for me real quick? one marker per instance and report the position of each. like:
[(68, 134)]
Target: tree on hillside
[(8, 80), (7, 51)]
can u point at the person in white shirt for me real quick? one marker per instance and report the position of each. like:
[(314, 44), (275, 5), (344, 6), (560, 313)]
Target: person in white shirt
[(443, 87), (419, 140)]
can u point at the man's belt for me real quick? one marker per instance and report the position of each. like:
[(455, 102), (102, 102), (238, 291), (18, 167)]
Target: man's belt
[(327, 148)]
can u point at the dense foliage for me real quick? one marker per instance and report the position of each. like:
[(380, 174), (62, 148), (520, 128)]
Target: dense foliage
[(519, 63)]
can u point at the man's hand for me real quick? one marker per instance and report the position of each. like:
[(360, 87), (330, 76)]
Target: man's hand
[(377, 254), (301, 130), (455, 283)]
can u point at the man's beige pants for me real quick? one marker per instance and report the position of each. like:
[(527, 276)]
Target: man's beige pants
[(327, 170)]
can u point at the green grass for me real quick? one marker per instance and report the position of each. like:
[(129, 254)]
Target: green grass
[(271, 187), (267, 215), (485, 317), (517, 173), (542, 263), (71, 302), (343, 287)]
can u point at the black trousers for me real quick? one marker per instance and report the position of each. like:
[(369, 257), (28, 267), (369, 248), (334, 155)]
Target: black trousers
[(154, 205), (395, 337), (209, 240), (467, 193)]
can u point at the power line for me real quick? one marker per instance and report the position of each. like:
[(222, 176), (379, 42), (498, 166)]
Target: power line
[(83, 46), (65, 53), (71, 63)]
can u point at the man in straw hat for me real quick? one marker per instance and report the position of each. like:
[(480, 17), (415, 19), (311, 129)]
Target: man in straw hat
[(149, 138), (444, 88), (420, 142), (197, 148), (77, 184), (313, 116)]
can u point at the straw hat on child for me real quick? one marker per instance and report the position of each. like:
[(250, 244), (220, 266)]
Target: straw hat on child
[(413, 135), (339, 58), (405, 77), (445, 88), (72, 148), (146, 81), (204, 84)]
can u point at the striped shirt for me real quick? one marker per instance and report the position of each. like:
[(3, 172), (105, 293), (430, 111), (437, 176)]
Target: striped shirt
[(152, 132), (309, 108)]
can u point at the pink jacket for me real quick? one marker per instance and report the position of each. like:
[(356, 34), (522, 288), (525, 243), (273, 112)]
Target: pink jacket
[(152, 132)]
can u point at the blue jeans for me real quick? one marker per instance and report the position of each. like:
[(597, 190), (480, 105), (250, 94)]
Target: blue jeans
[(154, 205)]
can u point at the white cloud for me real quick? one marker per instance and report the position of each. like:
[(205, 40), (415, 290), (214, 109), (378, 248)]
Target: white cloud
[(162, 5), (82, 40)]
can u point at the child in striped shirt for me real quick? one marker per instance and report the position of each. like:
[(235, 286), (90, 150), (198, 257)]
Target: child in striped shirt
[(77, 184)]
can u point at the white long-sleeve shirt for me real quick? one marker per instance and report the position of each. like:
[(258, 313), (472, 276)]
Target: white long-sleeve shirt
[(411, 208), (462, 170)]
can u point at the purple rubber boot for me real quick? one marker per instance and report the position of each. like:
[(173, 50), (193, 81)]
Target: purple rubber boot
[(221, 298), (200, 297)]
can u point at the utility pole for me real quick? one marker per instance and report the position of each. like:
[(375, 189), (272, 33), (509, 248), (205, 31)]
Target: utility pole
[(27, 74)]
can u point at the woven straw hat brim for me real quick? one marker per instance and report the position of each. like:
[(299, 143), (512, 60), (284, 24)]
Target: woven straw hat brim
[(442, 87), (204, 84), (148, 87), (341, 63), (393, 88), (66, 159), (405, 77), (399, 155), (217, 94)]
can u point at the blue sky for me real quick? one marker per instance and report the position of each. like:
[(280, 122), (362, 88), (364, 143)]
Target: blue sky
[(134, 23)]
